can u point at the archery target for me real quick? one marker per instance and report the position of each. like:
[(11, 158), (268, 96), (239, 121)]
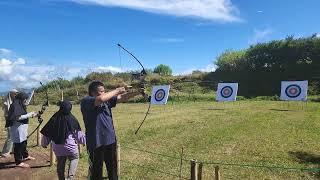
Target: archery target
[(227, 92), (160, 94), (294, 90)]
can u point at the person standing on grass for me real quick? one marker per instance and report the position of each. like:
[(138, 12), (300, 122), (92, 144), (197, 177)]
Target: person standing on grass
[(18, 120), (100, 133), (8, 144), (65, 132)]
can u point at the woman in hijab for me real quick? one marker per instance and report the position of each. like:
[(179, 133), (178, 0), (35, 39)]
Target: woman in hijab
[(8, 144), (64, 131), (18, 120)]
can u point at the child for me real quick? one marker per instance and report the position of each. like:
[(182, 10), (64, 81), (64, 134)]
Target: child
[(18, 120), (65, 132)]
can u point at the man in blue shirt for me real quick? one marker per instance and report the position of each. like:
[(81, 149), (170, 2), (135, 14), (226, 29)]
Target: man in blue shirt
[(100, 133)]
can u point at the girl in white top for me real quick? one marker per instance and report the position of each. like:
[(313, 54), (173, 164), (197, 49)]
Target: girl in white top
[(18, 120)]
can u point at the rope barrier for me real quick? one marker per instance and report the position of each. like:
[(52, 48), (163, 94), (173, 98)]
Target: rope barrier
[(231, 164), (261, 166), (163, 155)]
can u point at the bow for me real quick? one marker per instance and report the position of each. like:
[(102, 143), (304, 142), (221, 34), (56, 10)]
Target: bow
[(42, 110), (141, 76)]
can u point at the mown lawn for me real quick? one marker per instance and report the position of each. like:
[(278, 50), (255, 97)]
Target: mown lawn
[(238, 135)]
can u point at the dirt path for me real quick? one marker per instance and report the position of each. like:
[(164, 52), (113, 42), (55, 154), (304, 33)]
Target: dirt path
[(40, 167)]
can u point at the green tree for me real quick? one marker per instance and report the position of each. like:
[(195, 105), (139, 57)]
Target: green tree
[(261, 68), (163, 70), (232, 61), (77, 81)]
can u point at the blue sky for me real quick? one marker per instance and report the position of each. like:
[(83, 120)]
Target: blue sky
[(44, 39)]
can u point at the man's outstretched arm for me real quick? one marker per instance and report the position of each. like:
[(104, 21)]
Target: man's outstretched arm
[(107, 96)]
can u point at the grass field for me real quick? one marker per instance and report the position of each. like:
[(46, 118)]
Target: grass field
[(238, 135)]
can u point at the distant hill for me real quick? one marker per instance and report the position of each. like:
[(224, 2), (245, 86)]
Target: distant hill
[(3, 93)]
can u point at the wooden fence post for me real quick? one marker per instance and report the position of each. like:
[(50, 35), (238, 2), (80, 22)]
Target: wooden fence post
[(193, 171), (61, 95), (200, 171), (181, 159), (52, 156), (217, 173), (118, 160)]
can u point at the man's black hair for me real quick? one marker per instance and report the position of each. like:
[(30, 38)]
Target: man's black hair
[(93, 87)]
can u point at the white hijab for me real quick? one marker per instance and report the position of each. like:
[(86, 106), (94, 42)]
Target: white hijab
[(8, 100)]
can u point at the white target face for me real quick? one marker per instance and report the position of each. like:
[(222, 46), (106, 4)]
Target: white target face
[(160, 94), (294, 90), (227, 92)]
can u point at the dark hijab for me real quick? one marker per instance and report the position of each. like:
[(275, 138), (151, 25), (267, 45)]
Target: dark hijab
[(61, 124), (17, 109)]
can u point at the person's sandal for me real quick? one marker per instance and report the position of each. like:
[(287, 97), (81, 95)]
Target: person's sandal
[(5, 156), (29, 158), (23, 165)]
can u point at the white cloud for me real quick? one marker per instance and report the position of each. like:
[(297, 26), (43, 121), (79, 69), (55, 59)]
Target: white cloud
[(5, 62), (20, 61), (208, 68), (260, 11), (168, 40), (213, 10), (111, 69), (19, 78), (260, 35), (4, 51), (18, 74), (318, 35)]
